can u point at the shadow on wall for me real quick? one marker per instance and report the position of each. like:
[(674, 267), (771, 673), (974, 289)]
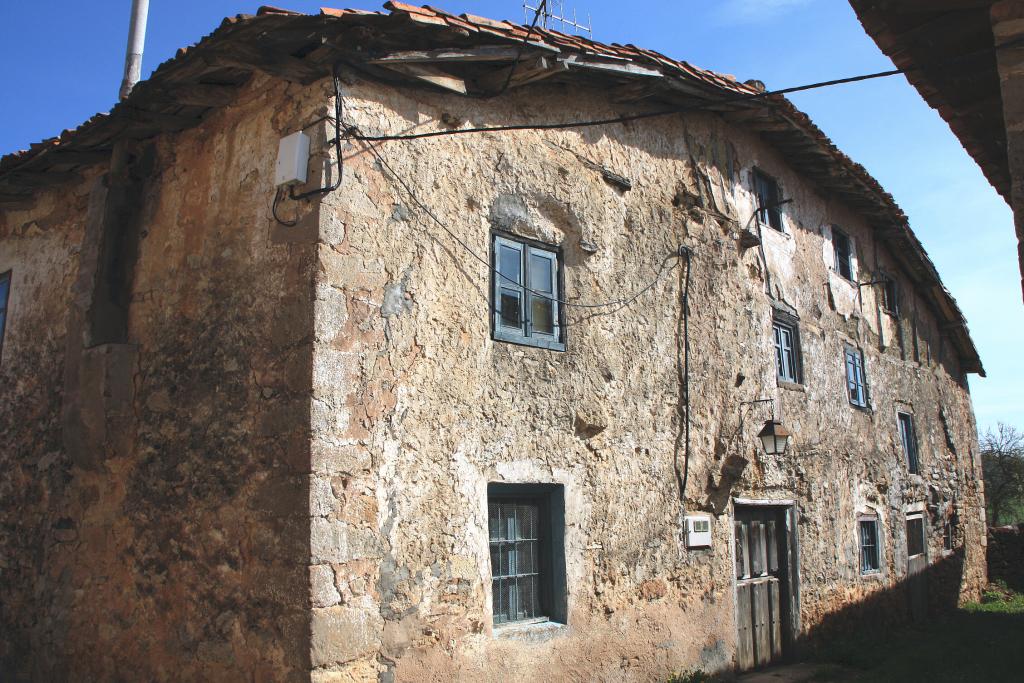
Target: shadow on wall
[(914, 600)]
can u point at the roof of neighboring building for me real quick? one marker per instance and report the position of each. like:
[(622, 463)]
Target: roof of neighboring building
[(947, 50), (428, 47)]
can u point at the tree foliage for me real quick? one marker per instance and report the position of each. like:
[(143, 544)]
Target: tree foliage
[(1002, 459)]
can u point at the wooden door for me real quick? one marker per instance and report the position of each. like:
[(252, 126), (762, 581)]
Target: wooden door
[(762, 588), (917, 562)]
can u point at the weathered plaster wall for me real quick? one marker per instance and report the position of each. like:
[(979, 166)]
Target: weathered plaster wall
[(173, 545), (40, 248), (284, 466), (416, 409)]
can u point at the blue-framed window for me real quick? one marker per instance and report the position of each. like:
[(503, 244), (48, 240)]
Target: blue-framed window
[(787, 349), (908, 439), (856, 382), (5, 290), (527, 290)]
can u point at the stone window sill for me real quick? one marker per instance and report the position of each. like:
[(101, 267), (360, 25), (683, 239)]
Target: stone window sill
[(534, 631), (875, 575), (792, 386)]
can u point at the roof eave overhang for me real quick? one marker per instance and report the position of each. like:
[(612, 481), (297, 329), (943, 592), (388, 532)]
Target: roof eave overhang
[(304, 49)]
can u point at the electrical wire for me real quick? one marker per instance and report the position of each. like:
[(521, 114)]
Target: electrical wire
[(486, 262), (674, 110), (684, 380), (519, 53), (327, 189), (273, 209)]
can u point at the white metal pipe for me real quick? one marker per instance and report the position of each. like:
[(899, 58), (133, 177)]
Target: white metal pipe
[(136, 42)]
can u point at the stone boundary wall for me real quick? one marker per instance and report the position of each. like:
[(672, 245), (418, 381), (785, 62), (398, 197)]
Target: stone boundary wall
[(1006, 555)]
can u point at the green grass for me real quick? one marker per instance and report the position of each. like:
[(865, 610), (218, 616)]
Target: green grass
[(981, 642)]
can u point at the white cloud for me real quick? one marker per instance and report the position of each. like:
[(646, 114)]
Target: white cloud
[(754, 11)]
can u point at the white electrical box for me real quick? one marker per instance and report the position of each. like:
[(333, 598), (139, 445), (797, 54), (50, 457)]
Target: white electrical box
[(292, 159), (698, 531)]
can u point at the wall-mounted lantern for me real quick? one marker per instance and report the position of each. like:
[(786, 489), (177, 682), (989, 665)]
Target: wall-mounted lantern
[(774, 437)]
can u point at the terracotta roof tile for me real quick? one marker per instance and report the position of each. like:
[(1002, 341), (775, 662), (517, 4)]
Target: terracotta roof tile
[(484, 21), (269, 9), (395, 6)]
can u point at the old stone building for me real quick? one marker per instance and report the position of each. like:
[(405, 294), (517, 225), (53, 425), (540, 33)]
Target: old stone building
[(481, 399)]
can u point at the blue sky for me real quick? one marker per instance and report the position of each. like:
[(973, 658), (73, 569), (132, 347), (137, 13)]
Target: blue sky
[(64, 62)]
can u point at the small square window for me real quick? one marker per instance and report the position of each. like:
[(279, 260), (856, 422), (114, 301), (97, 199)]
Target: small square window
[(5, 290), (890, 296), (856, 382), (526, 293), (843, 253), (787, 349), (908, 439), (769, 208), (915, 535), (870, 561), (526, 529)]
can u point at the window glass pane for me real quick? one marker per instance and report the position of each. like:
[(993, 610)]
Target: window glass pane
[(785, 353), (542, 315), (915, 536), (541, 274), (843, 255), (511, 308), (510, 264), (869, 560), (908, 441), (889, 296), (514, 560), (855, 377), (5, 286)]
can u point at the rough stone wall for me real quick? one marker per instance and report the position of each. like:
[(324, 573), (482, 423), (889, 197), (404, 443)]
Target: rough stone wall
[(416, 409), (173, 544), (40, 248), (1006, 555)]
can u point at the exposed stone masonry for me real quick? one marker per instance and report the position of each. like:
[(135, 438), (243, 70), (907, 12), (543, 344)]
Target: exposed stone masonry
[(289, 458)]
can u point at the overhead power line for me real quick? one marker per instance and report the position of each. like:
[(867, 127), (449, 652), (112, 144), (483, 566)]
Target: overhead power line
[(732, 99)]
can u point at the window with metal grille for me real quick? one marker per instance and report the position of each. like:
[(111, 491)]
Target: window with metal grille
[(843, 253), (856, 382), (870, 561), (5, 290), (526, 293), (515, 577), (915, 536), (787, 349), (766, 191), (526, 538), (908, 438)]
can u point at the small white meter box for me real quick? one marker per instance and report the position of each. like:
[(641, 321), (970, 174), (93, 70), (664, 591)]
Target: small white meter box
[(698, 531), (292, 159)]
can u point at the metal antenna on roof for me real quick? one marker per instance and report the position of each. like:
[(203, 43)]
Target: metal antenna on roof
[(550, 17)]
